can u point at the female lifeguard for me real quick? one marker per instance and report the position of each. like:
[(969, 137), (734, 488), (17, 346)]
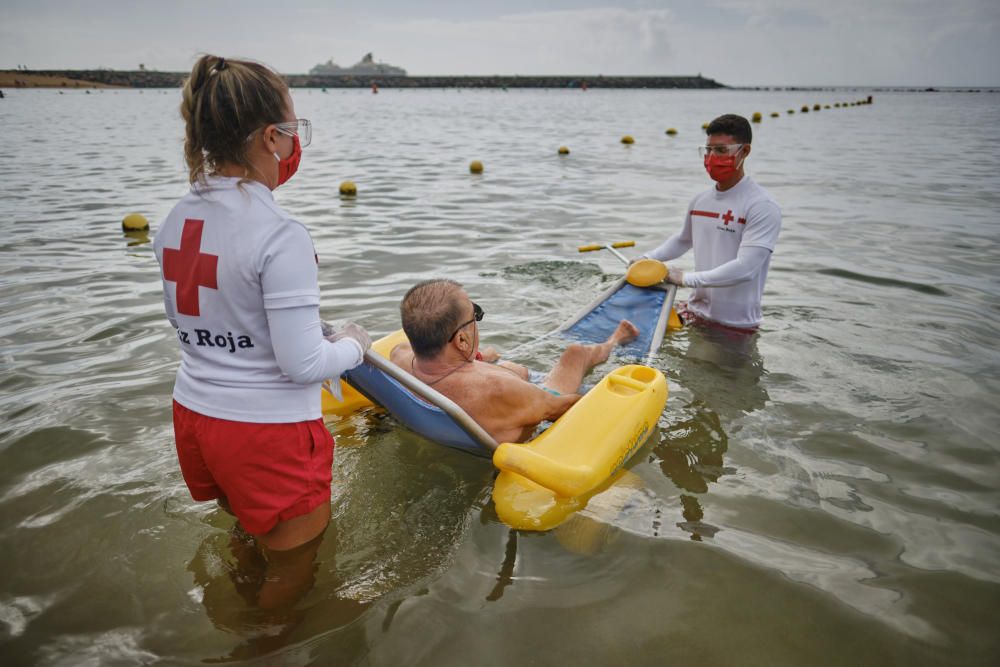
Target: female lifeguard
[(240, 287)]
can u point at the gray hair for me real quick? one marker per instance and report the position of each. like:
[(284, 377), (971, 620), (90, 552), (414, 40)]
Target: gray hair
[(430, 313)]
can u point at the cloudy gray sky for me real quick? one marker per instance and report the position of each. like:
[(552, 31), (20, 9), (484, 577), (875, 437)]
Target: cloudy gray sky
[(737, 42)]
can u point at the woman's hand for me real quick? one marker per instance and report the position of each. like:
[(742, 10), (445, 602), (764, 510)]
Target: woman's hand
[(353, 331)]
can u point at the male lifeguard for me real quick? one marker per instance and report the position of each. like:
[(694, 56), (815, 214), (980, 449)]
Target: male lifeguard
[(733, 228)]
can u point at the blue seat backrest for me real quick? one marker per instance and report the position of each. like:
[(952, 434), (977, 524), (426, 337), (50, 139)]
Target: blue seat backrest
[(417, 415)]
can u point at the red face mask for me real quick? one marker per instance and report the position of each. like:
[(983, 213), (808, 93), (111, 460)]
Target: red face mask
[(288, 166), (720, 168)]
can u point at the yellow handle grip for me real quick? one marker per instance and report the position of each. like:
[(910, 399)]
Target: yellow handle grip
[(566, 480), (625, 381), (601, 246)]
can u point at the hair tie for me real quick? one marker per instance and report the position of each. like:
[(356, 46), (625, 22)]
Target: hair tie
[(221, 65)]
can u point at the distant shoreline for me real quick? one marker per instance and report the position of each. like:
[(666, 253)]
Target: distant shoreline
[(153, 79), (11, 78)]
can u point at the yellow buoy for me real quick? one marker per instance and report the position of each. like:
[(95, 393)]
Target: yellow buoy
[(138, 237), (563, 150), (826, 106), (775, 114), (757, 117), (135, 222), (805, 108), (815, 107), (837, 105), (791, 111), (704, 126), (672, 131), (348, 189), (627, 139), (476, 167)]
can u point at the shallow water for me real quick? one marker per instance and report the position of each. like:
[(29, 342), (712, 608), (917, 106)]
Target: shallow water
[(825, 493)]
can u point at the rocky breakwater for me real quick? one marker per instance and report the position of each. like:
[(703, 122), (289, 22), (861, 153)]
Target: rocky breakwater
[(154, 79), (497, 81)]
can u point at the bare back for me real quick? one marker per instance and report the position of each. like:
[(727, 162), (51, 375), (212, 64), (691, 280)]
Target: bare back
[(508, 407)]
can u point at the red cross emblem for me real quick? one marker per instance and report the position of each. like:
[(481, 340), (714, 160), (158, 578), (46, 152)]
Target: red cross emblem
[(190, 268), (728, 217)]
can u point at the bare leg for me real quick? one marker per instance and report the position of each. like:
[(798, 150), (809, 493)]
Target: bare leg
[(289, 575), (297, 531), (290, 552), (578, 359)]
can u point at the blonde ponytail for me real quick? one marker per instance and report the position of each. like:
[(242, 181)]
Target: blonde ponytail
[(224, 102)]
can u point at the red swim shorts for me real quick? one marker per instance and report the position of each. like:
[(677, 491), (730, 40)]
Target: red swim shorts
[(267, 472)]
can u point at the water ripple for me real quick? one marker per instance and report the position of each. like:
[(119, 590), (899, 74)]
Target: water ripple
[(844, 460)]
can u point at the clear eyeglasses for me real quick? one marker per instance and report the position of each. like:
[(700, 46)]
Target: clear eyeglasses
[(719, 149), (301, 127)]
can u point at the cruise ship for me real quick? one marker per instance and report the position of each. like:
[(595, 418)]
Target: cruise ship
[(366, 66)]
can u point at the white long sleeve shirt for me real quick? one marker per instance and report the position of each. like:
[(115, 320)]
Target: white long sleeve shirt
[(240, 287), (733, 234)]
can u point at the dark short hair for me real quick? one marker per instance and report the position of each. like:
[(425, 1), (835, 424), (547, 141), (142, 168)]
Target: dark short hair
[(430, 313), (737, 127)]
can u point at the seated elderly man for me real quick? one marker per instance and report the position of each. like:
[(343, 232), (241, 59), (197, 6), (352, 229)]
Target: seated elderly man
[(442, 325)]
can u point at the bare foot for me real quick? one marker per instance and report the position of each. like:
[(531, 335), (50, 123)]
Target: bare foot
[(626, 332)]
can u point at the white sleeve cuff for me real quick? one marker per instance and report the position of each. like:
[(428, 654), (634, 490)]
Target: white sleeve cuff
[(361, 351)]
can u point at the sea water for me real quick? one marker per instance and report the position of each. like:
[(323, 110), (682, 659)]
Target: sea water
[(826, 492)]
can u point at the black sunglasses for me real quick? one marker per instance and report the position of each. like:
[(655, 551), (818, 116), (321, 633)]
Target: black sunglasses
[(477, 316)]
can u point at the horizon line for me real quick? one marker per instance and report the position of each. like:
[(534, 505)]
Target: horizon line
[(925, 87)]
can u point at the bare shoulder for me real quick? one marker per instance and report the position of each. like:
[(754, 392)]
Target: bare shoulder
[(501, 375), (505, 387), (505, 405), (483, 386)]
